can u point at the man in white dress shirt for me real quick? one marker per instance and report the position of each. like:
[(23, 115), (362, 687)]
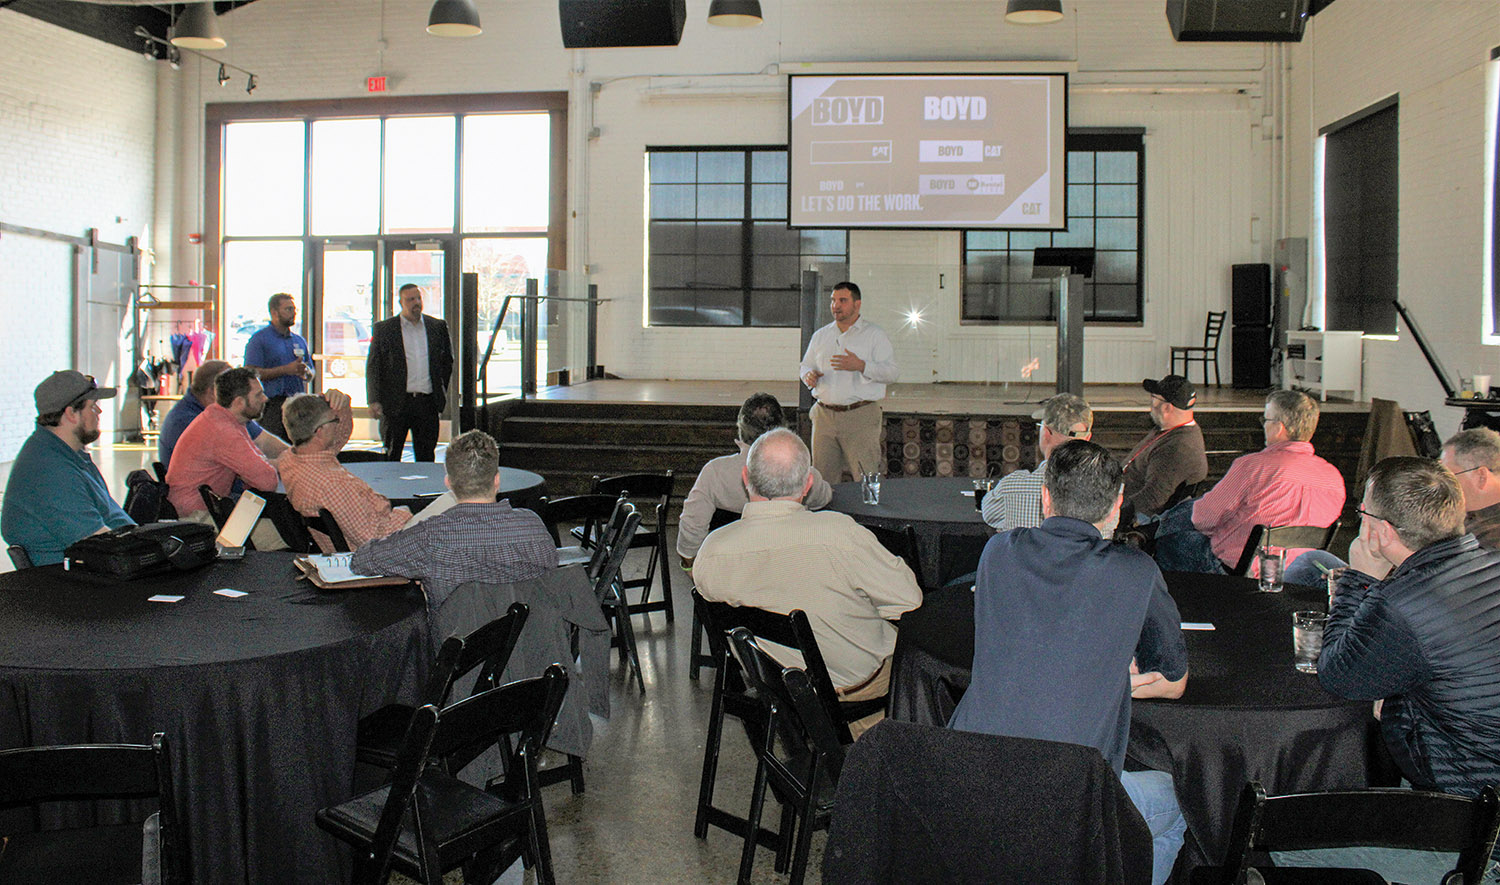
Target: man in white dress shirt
[(847, 366)]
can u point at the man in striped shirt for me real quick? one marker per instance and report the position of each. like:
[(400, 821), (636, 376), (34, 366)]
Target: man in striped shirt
[(1283, 484), (1016, 503)]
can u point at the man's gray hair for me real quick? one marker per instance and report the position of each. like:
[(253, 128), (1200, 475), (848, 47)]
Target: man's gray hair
[(1419, 498), (302, 415), (778, 464), (1296, 411), (1083, 480), (761, 412), (473, 460), (1476, 447), (1065, 410)]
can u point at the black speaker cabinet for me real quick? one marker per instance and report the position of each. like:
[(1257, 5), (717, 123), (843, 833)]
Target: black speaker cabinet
[(587, 24), (1251, 367), (1250, 294), (1242, 21)]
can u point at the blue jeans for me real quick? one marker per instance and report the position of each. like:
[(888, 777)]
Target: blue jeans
[(1156, 800), (1180, 547), (1303, 570)]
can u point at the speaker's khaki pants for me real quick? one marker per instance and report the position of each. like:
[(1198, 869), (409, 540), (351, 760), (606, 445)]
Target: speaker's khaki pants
[(847, 441)]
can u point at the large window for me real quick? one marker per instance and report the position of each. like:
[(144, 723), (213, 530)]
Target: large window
[(1360, 215), (1106, 181), (719, 249)]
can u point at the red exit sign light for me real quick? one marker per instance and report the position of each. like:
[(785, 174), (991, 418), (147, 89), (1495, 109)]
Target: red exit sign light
[(375, 84)]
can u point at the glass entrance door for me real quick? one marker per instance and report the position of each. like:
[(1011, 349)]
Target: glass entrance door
[(347, 289)]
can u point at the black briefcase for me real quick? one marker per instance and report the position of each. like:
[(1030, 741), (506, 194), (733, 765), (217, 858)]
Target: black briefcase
[(138, 550)]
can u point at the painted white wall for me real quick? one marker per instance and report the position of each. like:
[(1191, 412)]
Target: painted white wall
[(1206, 162), (77, 141), (1434, 55)]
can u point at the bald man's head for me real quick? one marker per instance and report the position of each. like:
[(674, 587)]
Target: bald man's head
[(778, 465)]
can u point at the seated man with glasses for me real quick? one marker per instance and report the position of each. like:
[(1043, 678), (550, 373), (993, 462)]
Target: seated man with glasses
[(1016, 503), (1412, 627), (314, 478), (1473, 456), (56, 494), (1283, 484)]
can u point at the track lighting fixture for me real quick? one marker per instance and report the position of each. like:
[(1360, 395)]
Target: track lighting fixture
[(174, 55), (223, 76)]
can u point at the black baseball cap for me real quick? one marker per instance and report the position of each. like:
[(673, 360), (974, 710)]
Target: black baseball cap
[(1175, 389)]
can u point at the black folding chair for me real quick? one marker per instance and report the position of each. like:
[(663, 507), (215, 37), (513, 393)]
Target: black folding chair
[(219, 507), (325, 523), (614, 544), (1385, 818), (903, 543), (805, 774), (359, 456), (288, 523), (589, 512), (488, 649), (697, 659), (1286, 536), (657, 487), (152, 852), (1208, 353), (426, 822)]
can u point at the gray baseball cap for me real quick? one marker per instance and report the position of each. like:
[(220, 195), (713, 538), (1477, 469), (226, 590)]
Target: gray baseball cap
[(62, 389)]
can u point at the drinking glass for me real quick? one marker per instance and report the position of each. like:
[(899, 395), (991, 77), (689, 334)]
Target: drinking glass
[(869, 487), (1270, 561), (1307, 639)]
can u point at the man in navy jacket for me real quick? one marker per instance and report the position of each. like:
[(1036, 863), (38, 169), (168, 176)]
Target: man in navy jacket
[(1415, 627)]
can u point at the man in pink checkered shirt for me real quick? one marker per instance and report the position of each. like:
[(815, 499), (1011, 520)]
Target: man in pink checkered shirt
[(1283, 484), (318, 429)]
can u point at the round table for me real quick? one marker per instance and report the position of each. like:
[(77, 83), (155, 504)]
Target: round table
[(1247, 712), (415, 484), (950, 531), (258, 695)]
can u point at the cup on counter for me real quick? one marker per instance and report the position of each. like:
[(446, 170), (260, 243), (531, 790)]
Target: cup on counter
[(1270, 562), (1307, 639), (869, 487), (1481, 386)]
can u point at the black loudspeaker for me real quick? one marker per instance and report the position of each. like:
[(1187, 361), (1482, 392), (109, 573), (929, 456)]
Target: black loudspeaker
[(1252, 356), (1242, 21), (588, 24), (1251, 295)]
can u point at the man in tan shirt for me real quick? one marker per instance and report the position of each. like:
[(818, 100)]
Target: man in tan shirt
[(780, 556)]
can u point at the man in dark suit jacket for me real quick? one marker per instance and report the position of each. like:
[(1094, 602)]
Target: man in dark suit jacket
[(406, 377)]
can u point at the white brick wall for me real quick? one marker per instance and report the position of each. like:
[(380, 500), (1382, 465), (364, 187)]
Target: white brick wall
[(77, 133), (1434, 55)]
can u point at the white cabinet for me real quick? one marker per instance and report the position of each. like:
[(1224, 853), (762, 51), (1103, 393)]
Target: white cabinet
[(1318, 362)]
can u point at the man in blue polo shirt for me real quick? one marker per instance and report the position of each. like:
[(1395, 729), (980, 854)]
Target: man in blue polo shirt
[(1069, 627), (280, 358), (192, 404), (56, 495)]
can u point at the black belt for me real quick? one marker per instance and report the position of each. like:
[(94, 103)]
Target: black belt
[(849, 408)]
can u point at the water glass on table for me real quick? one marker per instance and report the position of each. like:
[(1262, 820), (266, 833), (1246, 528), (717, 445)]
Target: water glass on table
[(869, 487), (983, 485), (1270, 562), (1307, 639)]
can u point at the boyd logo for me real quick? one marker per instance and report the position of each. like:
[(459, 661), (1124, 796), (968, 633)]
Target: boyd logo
[(855, 110)]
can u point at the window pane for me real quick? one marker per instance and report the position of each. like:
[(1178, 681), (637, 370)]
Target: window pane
[(673, 236), (673, 166), (1117, 167), (777, 272), (721, 201), (263, 177), (252, 273), (827, 242), (1080, 199), (672, 307), (673, 201), (768, 166), (348, 313), (774, 309), (768, 201), (719, 239), (721, 166), (1115, 301), (717, 272), (1080, 232), (721, 308), (1114, 267), (986, 239), (507, 162), (503, 266), (774, 239), (1116, 233), (1025, 242), (345, 168), (419, 174), (1080, 167), (1116, 200), (669, 271)]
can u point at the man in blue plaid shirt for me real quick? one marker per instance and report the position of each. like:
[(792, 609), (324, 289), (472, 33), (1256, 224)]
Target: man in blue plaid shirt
[(1016, 503)]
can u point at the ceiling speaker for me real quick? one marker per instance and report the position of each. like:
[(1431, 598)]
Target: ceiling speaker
[(1237, 21), (587, 24)]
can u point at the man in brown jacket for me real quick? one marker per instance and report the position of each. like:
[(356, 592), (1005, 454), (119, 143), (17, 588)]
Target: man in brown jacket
[(1171, 458)]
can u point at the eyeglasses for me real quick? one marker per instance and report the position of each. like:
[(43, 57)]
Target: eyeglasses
[(332, 419), (1462, 472), (1073, 434), (1363, 512)]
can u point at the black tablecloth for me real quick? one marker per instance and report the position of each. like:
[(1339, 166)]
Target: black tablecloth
[(258, 695), (520, 487), (950, 531), (1246, 714)]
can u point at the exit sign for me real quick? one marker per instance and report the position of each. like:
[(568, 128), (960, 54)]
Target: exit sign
[(375, 84)]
